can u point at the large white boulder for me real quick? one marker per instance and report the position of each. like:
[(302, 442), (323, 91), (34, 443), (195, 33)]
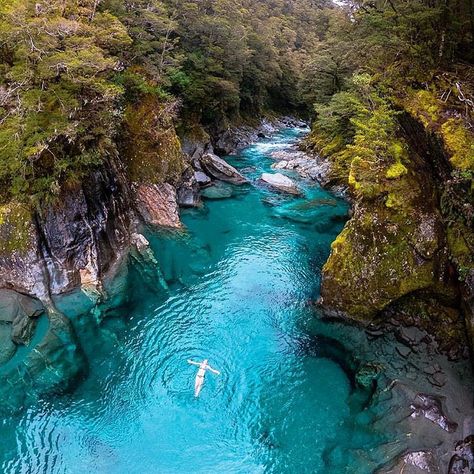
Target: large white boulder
[(280, 182)]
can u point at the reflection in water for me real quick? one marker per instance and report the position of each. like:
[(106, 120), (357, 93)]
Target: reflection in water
[(239, 284)]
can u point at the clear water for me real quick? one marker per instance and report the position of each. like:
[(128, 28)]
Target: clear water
[(241, 281)]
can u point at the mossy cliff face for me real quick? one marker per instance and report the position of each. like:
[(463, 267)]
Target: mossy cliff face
[(21, 266), (393, 245), (411, 229), (152, 150)]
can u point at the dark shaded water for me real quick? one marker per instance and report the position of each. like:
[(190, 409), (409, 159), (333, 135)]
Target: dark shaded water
[(240, 280)]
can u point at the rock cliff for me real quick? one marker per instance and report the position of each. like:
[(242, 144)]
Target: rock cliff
[(410, 238)]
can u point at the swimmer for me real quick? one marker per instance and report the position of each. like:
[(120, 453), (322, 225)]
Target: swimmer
[(203, 366)]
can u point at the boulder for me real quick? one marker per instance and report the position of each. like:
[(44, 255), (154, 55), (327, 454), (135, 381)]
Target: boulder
[(281, 183), (413, 462), (157, 204), (202, 178), (217, 191), (21, 312), (430, 407), (187, 192), (220, 169), (307, 166), (463, 459)]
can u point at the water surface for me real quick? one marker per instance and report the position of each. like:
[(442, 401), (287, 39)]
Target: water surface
[(241, 283)]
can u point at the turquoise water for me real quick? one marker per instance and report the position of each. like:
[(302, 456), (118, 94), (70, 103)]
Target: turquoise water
[(241, 282)]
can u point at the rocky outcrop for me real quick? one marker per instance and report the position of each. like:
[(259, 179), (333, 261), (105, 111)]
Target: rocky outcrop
[(75, 241), (22, 266), (157, 204), (406, 237), (380, 257), (312, 167), (281, 183), (220, 169)]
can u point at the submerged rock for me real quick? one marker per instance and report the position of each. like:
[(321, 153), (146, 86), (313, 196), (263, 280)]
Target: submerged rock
[(145, 261), (413, 462), (217, 191), (430, 407), (53, 365), (157, 204), (281, 183), (220, 169), (7, 346), (21, 312)]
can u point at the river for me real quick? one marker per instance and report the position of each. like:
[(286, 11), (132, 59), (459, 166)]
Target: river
[(241, 283)]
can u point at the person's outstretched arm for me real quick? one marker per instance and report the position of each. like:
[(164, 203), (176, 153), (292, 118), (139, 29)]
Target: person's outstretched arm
[(213, 370), (192, 362)]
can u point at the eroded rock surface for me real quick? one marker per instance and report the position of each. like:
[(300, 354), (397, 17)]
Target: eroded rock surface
[(157, 204), (45, 252)]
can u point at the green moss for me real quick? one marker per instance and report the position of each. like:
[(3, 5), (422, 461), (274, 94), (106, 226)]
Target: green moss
[(398, 150), (425, 106), (461, 242), (394, 201), (373, 262), (340, 241), (15, 228), (459, 142), (396, 170), (152, 148)]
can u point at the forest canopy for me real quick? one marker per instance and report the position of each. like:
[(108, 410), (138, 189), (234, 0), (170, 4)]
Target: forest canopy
[(69, 69)]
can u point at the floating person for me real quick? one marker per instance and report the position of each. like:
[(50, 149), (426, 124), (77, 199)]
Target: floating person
[(203, 366)]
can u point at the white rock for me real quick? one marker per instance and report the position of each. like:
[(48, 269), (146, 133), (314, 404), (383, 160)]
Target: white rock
[(280, 182)]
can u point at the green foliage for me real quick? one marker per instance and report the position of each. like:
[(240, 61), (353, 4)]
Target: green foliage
[(15, 228), (460, 144), (56, 90), (396, 170)]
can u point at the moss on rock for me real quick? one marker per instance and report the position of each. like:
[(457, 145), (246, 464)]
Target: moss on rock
[(16, 228), (396, 170), (373, 262), (152, 149), (459, 142)]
